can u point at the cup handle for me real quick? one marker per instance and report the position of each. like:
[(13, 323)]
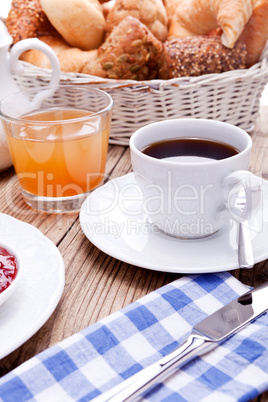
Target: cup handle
[(16, 67), (34, 43), (244, 194)]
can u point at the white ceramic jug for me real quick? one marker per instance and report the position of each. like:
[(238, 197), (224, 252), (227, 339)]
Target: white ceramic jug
[(9, 65)]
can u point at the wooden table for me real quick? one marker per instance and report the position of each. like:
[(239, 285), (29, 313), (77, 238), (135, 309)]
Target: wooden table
[(97, 284)]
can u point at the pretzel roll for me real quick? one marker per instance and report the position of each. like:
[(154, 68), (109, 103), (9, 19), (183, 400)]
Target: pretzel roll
[(151, 13), (80, 22), (198, 55)]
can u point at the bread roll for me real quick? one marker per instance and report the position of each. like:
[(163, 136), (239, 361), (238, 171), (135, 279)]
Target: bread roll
[(151, 13), (106, 7), (80, 22), (198, 55), (131, 51), (26, 19), (71, 59), (255, 33)]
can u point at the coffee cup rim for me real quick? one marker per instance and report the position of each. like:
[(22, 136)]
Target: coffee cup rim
[(164, 162)]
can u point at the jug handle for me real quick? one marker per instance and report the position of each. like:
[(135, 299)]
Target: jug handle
[(34, 43)]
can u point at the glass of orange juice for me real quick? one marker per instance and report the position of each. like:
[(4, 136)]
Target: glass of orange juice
[(58, 139)]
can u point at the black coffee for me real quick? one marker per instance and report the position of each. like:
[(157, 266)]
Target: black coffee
[(190, 149)]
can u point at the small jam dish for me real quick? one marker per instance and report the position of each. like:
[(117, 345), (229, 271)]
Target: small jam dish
[(11, 268)]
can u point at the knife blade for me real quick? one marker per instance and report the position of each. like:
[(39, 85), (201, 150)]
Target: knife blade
[(205, 336)]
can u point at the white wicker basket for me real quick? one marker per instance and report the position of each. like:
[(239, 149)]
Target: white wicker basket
[(232, 97)]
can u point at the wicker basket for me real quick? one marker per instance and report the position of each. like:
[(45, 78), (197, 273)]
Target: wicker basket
[(232, 97)]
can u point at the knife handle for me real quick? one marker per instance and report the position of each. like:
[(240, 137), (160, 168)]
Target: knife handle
[(130, 389)]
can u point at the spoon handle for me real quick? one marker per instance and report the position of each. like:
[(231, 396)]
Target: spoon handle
[(245, 250)]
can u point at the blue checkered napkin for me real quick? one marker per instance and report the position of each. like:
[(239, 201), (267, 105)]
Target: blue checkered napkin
[(92, 361)]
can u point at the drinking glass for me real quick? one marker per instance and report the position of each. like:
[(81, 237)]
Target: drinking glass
[(58, 139)]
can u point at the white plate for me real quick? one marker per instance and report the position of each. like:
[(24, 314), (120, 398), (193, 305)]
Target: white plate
[(40, 288), (112, 219)]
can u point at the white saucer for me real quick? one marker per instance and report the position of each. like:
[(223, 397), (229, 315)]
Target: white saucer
[(112, 219), (40, 288)]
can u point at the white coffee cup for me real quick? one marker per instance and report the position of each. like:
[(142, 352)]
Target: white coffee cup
[(193, 199)]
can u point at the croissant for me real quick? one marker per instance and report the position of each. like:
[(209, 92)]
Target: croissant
[(170, 6), (255, 33), (71, 59), (198, 17)]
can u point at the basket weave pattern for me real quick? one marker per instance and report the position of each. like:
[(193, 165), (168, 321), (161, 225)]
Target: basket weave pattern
[(232, 97)]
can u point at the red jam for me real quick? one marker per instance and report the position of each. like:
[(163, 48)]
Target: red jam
[(8, 269)]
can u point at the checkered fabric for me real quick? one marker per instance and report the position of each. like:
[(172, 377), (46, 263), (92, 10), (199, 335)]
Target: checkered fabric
[(104, 354)]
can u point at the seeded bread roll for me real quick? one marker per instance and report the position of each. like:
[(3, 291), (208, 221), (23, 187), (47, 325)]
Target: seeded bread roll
[(198, 55), (151, 13), (131, 51), (26, 19)]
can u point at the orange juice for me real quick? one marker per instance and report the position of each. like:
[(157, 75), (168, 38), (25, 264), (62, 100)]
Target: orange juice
[(56, 156)]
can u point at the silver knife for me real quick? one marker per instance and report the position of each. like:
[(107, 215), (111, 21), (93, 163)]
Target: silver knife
[(205, 336)]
